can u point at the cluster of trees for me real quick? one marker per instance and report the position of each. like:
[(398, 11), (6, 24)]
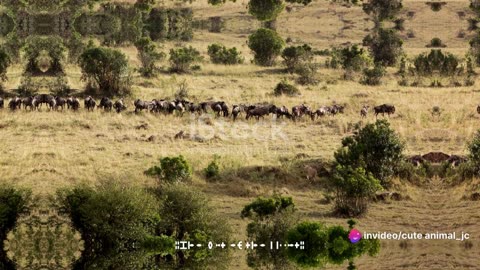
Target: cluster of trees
[(134, 228), (274, 219), (13, 203)]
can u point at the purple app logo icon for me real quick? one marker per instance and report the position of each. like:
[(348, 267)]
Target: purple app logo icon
[(354, 235)]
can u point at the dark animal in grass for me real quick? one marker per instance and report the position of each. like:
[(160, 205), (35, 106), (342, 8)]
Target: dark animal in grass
[(44, 99), (141, 105), (299, 111), (119, 106), (15, 103), (89, 103), (2, 103), (260, 111), (106, 104), (384, 109), (60, 103), (27, 102), (74, 103)]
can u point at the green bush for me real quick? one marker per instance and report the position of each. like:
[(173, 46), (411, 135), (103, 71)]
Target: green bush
[(265, 10), (212, 170), (182, 59), (353, 188), (171, 169), (314, 235), (263, 207), (219, 54), (107, 69), (295, 56), (375, 147), (285, 88), (188, 215), (149, 56), (354, 58), (266, 45), (381, 9), (271, 219), (385, 46), (111, 217), (373, 76)]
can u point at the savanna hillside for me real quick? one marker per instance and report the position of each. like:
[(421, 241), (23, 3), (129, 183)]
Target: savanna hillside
[(47, 150)]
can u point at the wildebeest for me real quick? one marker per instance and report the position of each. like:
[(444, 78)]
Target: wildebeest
[(119, 106), (237, 110), (60, 102), (106, 104), (260, 110), (74, 103), (320, 112), (1, 103), (478, 109), (299, 111), (335, 109), (28, 102), (384, 108), (44, 99), (364, 111), (89, 103), (282, 111), (141, 105), (15, 103), (220, 108)]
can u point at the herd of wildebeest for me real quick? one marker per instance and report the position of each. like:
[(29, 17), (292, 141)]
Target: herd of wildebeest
[(180, 106)]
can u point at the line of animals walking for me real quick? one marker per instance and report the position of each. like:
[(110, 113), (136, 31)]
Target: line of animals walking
[(181, 106)]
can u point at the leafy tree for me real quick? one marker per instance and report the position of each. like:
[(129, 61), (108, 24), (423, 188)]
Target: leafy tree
[(266, 45), (107, 69), (219, 54), (382, 9), (149, 56), (265, 10), (111, 217), (354, 58), (187, 215), (171, 169), (295, 56), (375, 147), (315, 237), (5, 62), (181, 59), (271, 219), (385, 46), (373, 76), (212, 170), (353, 188)]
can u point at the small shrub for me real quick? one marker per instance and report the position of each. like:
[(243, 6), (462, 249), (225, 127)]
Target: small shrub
[(284, 88), (354, 187), (295, 56), (219, 54), (212, 170), (171, 169), (436, 43), (182, 59), (373, 76)]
